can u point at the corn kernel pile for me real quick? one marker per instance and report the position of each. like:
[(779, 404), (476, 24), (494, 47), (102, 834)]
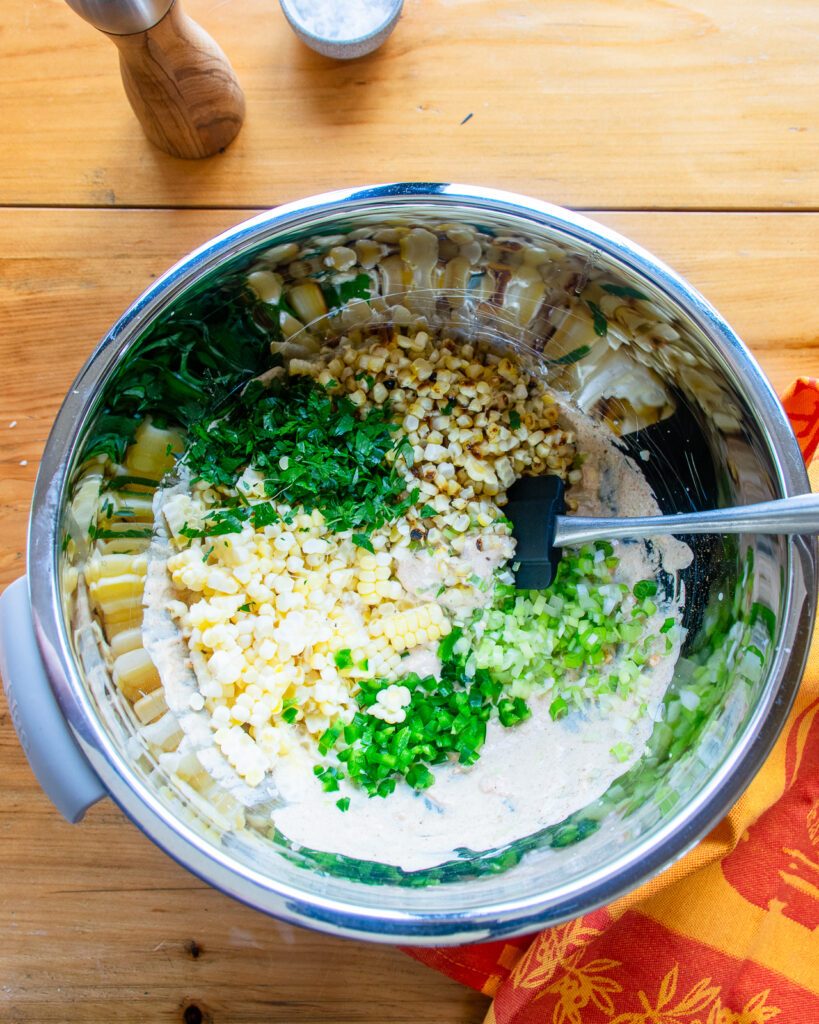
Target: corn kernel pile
[(283, 621)]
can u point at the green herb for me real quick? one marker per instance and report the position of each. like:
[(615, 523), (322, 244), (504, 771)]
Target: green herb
[(314, 450), (571, 357), (359, 287), (361, 540), (624, 291), (220, 522), (343, 804), (245, 607), (601, 324), (667, 625), (95, 533), (182, 368), (264, 514), (368, 379), (514, 420), (427, 512), (446, 410), (119, 483)]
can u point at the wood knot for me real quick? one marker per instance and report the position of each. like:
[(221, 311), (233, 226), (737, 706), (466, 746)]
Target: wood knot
[(193, 1014), (193, 949)]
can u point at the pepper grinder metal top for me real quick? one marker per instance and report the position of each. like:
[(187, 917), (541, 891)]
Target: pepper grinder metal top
[(121, 17), (180, 84)]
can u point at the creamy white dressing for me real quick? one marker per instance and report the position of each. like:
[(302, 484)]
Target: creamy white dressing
[(423, 661), (459, 582), (529, 776)]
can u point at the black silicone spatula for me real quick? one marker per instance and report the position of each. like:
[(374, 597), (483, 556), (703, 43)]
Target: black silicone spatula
[(536, 508)]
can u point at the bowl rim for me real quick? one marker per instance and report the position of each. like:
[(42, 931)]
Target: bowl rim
[(656, 851)]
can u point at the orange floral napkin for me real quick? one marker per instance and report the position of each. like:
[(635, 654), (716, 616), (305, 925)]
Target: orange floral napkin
[(727, 935)]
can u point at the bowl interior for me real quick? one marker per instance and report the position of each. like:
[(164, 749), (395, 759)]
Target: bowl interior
[(624, 339)]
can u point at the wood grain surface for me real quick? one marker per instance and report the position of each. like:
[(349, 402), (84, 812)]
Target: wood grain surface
[(590, 103), (640, 108), (96, 923)]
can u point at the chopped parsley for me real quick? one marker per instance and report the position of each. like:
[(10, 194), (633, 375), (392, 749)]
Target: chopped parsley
[(358, 287), (601, 324), (96, 533), (314, 450), (574, 356), (624, 291), (186, 363)]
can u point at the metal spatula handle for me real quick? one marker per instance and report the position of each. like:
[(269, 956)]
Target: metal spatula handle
[(785, 515)]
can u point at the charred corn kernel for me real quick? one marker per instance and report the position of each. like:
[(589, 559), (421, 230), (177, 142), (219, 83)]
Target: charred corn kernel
[(266, 285), (308, 301)]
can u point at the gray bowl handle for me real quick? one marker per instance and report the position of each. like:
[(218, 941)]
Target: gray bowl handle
[(58, 763)]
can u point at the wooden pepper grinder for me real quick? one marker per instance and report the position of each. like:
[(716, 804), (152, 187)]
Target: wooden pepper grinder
[(181, 86)]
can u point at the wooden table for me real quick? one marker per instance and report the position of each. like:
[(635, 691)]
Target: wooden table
[(692, 127)]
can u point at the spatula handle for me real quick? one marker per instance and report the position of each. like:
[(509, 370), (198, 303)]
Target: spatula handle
[(181, 86), (799, 514)]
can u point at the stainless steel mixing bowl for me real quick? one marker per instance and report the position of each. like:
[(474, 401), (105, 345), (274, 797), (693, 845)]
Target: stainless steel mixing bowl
[(662, 349)]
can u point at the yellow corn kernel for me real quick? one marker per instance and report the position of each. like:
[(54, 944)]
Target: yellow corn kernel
[(164, 733), (117, 588), (123, 545), (127, 640), (151, 706), (135, 674), (410, 628), (307, 300), (152, 452), (130, 618), (104, 566)]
